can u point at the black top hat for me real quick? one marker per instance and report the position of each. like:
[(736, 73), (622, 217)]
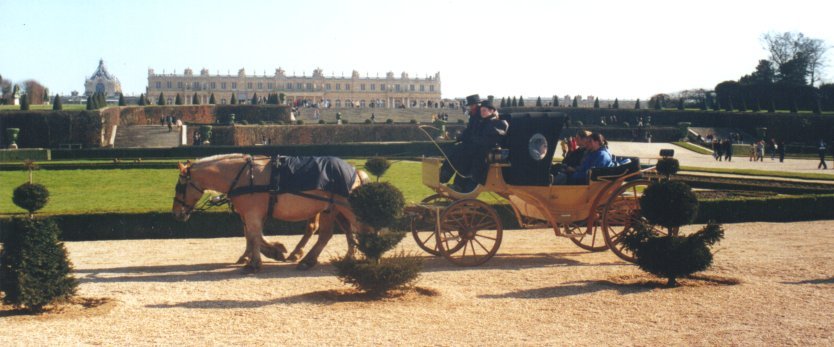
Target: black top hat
[(473, 99), (488, 104)]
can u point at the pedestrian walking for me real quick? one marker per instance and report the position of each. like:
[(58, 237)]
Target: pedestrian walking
[(822, 150), (781, 151)]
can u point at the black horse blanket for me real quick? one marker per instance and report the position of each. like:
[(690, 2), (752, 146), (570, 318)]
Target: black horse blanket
[(331, 174)]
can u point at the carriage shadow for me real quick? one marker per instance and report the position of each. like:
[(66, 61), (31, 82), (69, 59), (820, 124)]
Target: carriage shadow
[(571, 289), (271, 270)]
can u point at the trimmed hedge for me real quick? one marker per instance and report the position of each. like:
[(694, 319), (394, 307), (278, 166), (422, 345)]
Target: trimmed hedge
[(19, 155), (160, 225), (389, 149)]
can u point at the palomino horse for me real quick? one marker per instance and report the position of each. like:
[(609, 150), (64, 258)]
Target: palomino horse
[(246, 179)]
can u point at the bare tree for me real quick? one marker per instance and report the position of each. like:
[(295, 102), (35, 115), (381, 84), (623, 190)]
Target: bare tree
[(35, 91), (791, 47)]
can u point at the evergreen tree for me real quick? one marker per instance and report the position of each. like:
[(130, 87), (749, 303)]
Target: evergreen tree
[(637, 105), (122, 100), (89, 102), (234, 99), (596, 103), (24, 102), (756, 107), (817, 107), (743, 107), (178, 100), (161, 100), (520, 101), (539, 102), (211, 99), (514, 103), (715, 106), (729, 104), (56, 103), (680, 105), (616, 103), (503, 103), (555, 101), (46, 95), (575, 102), (142, 101), (794, 108), (255, 99), (195, 100), (281, 98), (102, 101), (771, 107), (658, 104)]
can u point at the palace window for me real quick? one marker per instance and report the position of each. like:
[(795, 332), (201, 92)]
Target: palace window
[(179, 85), (382, 87), (249, 85), (431, 88), (213, 85), (234, 85), (411, 87), (327, 86), (422, 88), (373, 86), (298, 86), (168, 84), (362, 87), (362, 103), (309, 86), (196, 85), (269, 86), (338, 102), (338, 86), (223, 85), (158, 85), (289, 86), (347, 86), (397, 87), (260, 85)]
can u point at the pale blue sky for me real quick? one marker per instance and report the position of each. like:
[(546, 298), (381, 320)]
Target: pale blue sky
[(624, 49)]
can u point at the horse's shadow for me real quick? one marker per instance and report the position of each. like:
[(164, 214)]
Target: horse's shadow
[(829, 280)]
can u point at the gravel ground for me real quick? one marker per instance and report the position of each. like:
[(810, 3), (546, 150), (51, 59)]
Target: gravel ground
[(771, 284)]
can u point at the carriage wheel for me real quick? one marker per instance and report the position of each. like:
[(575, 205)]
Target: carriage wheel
[(470, 232), (428, 242), (620, 214), (593, 240)]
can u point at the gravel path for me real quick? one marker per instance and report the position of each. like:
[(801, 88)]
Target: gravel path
[(539, 290)]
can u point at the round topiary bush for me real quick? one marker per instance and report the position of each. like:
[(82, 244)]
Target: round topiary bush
[(377, 205), (373, 245), (413, 121), (668, 166), (321, 121), (367, 121), (299, 122), (669, 203), (672, 257), (389, 121), (460, 121), (30, 196), (377, 278), (34, 268), (377, 166)]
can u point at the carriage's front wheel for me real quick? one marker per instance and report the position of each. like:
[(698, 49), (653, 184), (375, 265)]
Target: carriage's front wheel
[(428, 222), (592, 238), (470, 232), (621, 213)]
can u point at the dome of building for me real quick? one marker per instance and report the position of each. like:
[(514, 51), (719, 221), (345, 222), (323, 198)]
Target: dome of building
[(102, 81)]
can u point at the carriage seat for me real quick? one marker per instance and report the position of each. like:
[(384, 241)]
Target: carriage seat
[(624, 166)]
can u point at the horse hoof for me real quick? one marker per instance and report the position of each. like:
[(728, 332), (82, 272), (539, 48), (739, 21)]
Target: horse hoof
[(242, 260), (304, 266)]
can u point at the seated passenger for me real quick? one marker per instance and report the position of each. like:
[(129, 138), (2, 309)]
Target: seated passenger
[(470, 156), (572, 160), (597, 156)]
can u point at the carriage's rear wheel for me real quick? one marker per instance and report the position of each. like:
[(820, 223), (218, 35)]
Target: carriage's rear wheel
[(470, 232), (593, 239), (620, 215), (428, 241)]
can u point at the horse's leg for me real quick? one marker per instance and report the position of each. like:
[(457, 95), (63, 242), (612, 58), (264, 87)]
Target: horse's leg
[(244, 258), (327, 221), (273, 250), (254, 237), (312, 226), (347, 227)]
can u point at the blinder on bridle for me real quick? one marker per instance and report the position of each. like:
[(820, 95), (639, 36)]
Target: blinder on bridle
[(182, 186)]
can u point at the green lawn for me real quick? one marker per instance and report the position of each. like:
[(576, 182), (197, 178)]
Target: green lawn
[(66, 107), (763, 173)]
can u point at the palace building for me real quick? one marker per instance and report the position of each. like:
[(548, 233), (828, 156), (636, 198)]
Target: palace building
[(353, 91), (102, 81)]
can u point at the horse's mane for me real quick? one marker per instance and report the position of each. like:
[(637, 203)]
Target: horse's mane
[(218, 157)]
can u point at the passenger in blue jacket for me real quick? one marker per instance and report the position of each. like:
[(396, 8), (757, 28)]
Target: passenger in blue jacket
[(596, 155), (470, 156)]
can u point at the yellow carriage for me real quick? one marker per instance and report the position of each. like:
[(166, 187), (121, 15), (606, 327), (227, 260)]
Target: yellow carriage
[(468, 231)]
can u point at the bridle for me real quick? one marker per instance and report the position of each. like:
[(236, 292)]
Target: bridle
[(182, 188)]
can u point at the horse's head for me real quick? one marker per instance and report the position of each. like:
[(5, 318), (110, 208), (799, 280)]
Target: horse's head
[(187, 194), (361, 178)]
